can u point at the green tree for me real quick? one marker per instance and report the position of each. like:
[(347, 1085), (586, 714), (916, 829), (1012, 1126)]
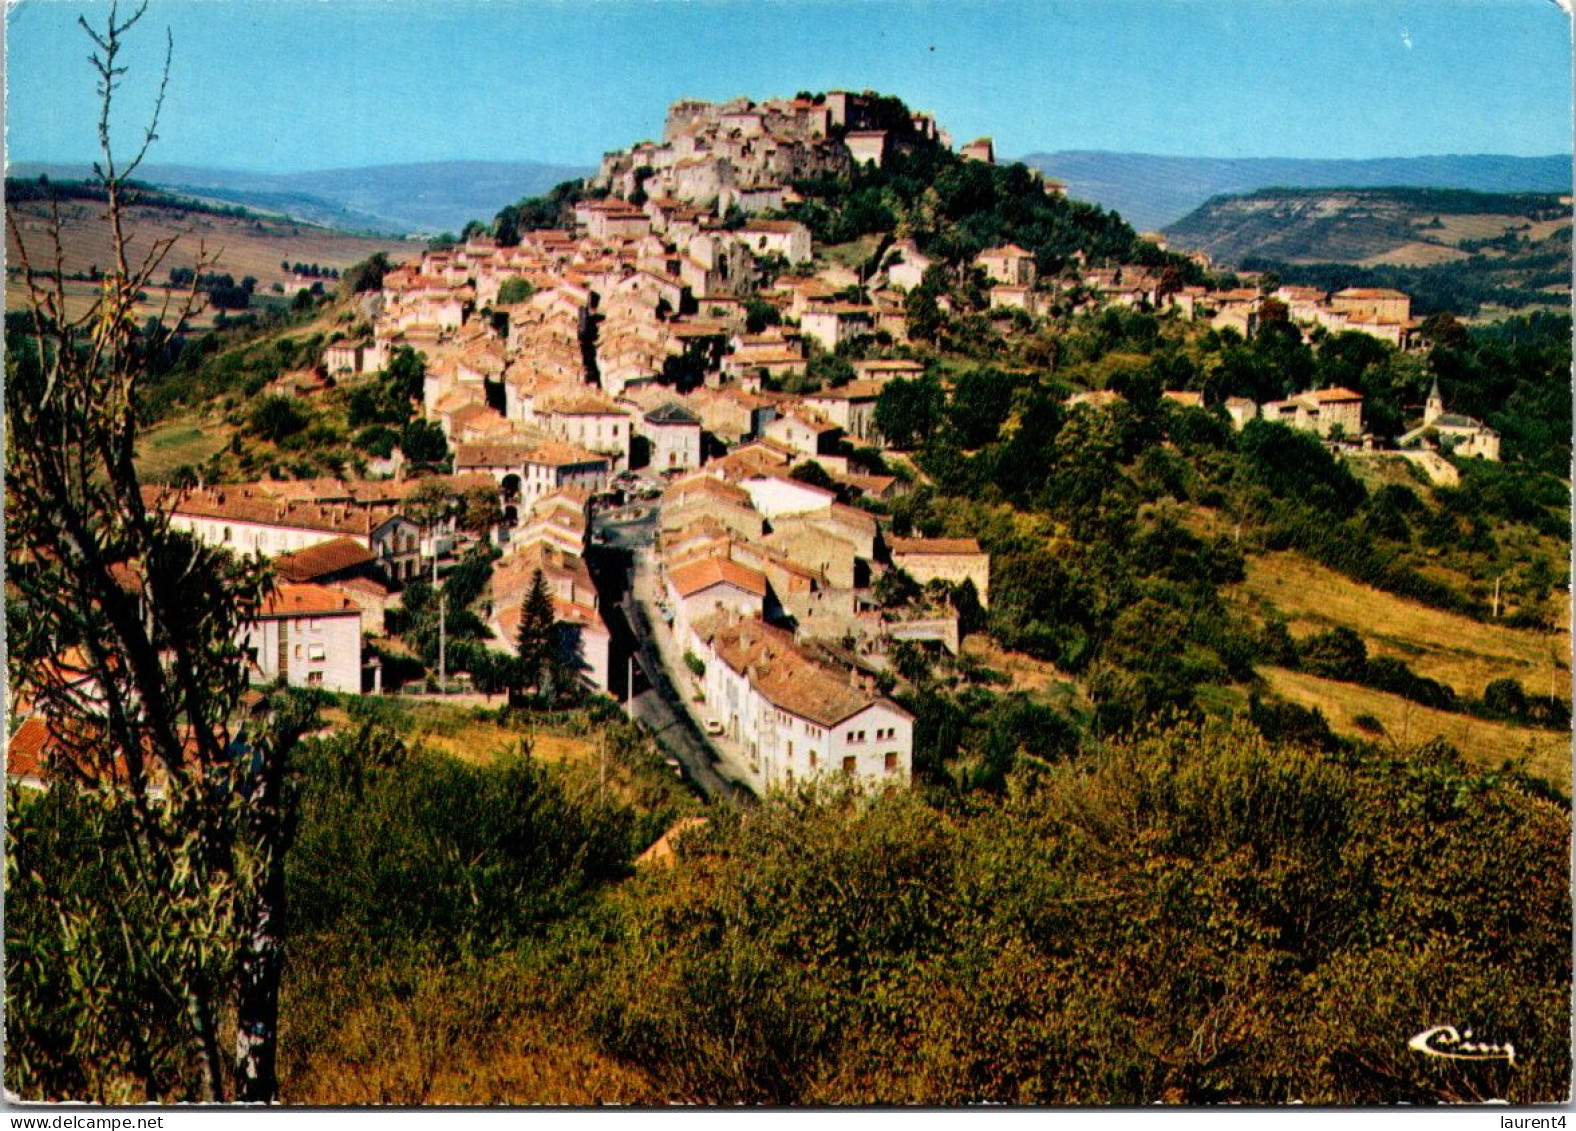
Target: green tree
[(480, 510), (422, 441), (534, 644), (966, 602), (366, 275), (515, 289), (759, 314), (406, 374), (428, 504), (907, 412), (276, 418)]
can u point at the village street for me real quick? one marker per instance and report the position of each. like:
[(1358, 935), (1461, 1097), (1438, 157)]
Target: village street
[(658, 675)]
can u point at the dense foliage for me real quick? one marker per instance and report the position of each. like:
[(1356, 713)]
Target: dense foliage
[(956, 209), (1194, 917)]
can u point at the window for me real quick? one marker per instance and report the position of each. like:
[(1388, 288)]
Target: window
[(315, 652), (849, 764), (891, 763), (298, 651), (790, 754), (812, 759), (315, 625), (314, 679)]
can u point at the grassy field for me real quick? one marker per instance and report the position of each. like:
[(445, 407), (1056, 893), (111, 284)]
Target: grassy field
[(188, 440), (1466, 654), (1416, 254), (473, 736), (1486, 744), (850, 255)]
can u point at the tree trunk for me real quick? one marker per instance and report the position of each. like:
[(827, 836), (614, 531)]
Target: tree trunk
[(205, 1032), (262, 956)]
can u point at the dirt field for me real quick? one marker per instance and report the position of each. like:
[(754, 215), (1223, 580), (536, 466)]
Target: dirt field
[(1487, 744), (1466, 654)]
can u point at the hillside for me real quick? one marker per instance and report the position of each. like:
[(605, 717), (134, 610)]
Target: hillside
[(245, 244), (1449, 249), (1152, 191), (1179, 832), (424, 198), (1370, 227)]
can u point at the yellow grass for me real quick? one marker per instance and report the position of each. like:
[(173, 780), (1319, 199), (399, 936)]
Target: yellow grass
[(1415, 254), (1486, 744), (1458, 651), (482, 742), (163, 303), (851, 254), (1473, 227), (1543, 229), (426, 1049), (452, 730)]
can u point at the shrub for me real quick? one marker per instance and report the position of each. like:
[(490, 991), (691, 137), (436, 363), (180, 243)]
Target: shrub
[(276, 418)]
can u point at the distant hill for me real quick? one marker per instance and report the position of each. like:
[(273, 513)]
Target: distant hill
[(423, 198), (1450, 249), (266, 248), (1371, 227), (1152, 191)]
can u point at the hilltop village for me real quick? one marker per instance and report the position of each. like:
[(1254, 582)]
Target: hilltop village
[(807, 614), (660, 363)]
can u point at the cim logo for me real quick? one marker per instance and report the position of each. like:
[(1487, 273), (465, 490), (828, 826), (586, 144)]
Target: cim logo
[(1445, 1041)]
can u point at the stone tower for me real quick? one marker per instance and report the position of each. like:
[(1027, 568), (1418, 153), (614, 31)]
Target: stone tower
[(1434, 408)]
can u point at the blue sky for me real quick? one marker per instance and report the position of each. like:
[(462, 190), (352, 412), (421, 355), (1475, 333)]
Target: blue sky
[(284, 85)]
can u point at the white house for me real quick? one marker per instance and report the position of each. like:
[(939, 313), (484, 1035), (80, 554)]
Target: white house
[(787, 238), (1009, 264), (674, 435), (581, 637), (712, 585), (1459, 435), (309, 636), (852, 407), (832, 323), (246, 520), (527, 470), (805, 431), (590, 423), (799, 719), (774, 495)]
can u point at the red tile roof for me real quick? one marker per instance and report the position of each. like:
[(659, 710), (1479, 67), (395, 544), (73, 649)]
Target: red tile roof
[(28, 749), (698, 576), (324, 558), (305, 600)]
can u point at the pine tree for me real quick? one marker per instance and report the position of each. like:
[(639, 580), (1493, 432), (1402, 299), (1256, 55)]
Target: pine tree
[(534, 643)]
